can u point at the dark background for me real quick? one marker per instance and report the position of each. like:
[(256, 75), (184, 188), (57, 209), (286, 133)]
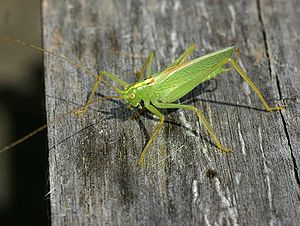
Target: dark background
[(24, 169)]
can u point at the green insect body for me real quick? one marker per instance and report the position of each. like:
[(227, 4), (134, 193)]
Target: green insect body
[(161, 90), (175, 82)]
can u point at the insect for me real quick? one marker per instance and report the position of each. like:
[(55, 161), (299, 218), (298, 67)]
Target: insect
[(160, 90)]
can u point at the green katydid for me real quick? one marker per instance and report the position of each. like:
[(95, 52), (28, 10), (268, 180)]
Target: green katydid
[(161, 90)]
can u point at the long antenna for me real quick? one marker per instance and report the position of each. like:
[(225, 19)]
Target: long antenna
[(82, 68), (43, 127), (50, 52)]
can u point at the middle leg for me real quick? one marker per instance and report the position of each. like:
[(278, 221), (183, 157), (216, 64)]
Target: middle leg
[(202, 119), (156, 130)]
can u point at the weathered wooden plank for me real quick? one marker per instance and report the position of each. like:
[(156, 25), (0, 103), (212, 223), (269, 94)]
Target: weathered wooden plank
[(93, 174), (281, 36)]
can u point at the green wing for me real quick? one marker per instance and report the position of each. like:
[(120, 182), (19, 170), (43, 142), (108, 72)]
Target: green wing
[(173, 83)]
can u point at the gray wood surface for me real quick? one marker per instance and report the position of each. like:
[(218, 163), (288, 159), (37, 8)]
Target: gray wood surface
[(94, 179)]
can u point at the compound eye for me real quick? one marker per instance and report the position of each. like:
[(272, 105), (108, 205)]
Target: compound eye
[(132, 95)]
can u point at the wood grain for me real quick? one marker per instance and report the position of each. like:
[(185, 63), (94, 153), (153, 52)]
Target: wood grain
[(94, 179)]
